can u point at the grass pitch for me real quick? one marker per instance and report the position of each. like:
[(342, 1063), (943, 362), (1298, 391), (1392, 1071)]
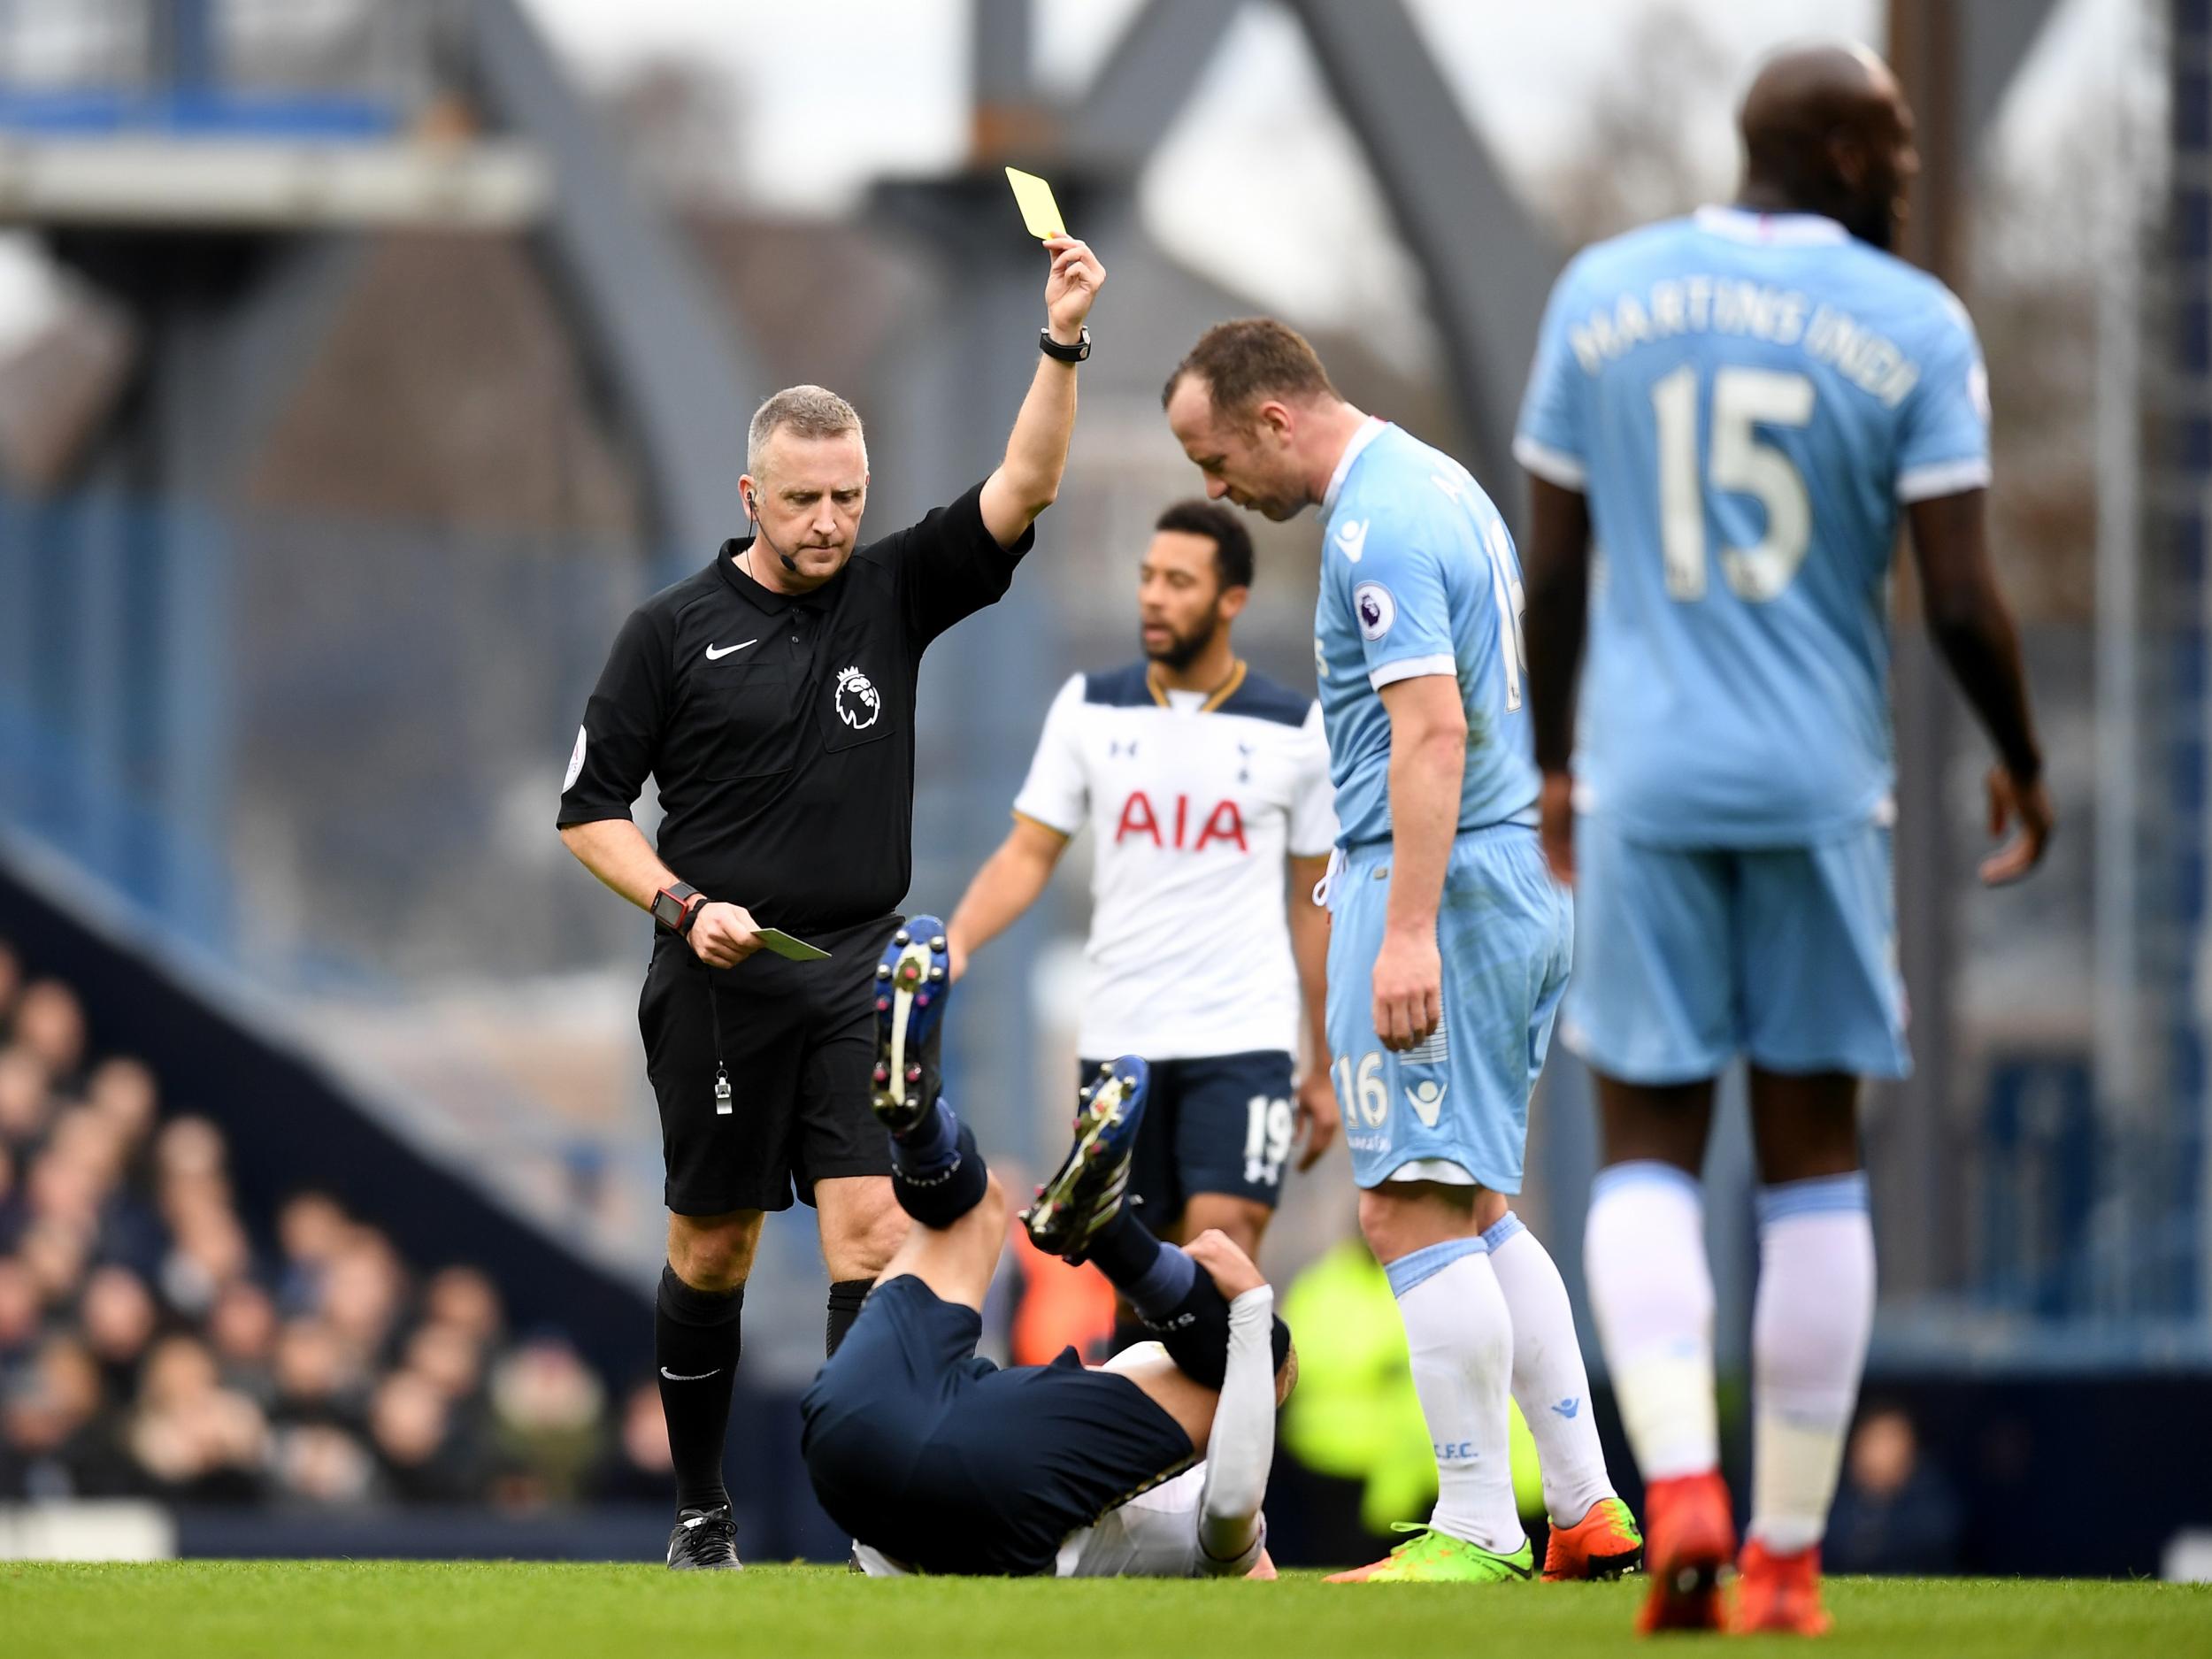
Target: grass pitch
[(473, 1611)]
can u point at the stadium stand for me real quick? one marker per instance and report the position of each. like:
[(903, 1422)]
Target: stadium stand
[(156, 1341)]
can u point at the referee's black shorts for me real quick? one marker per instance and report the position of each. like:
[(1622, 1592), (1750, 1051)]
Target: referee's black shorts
[(798, 1041)]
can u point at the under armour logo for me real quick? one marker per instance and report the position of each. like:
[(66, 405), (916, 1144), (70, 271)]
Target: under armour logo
[(1244, 767), (1115, 748)]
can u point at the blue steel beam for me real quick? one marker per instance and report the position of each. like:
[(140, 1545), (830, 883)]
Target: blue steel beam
[(681, 366), (1146, 79), (1488, 265), (1995, 36)]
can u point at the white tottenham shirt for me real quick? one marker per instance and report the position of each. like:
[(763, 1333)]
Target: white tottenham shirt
[(1153, 1535), (1193, 803)]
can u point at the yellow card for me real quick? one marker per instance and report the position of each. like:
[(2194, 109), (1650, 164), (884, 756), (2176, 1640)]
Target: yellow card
[(1039, 211)]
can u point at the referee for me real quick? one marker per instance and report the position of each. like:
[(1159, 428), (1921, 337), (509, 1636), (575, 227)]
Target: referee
[(771, 697)]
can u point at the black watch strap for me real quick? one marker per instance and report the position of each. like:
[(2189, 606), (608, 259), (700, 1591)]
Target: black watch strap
[(1076, 353), (676, 905)]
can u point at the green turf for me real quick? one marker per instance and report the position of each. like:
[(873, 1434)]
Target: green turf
[(423, 1610)]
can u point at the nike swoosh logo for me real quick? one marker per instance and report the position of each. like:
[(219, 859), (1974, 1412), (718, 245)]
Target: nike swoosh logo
[(701, 1377), (714, 656)]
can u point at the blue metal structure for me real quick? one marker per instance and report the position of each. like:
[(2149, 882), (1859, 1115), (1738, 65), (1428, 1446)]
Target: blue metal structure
[(115, 699)]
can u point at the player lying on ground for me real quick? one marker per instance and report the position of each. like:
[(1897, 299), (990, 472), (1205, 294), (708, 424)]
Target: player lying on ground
[(935, 1460)]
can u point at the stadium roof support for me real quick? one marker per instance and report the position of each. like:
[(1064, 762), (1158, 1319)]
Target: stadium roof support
[(1995, 36), (679, 363), (1146, 82), (1487, 266)]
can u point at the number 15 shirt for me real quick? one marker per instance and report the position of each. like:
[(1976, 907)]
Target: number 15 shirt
[(1746, 400)]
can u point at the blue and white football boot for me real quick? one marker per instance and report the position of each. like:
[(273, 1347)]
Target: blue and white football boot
[(1089, 1190), (913, 981)]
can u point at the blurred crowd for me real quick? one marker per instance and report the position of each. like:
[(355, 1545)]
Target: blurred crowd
[(156, 1341)]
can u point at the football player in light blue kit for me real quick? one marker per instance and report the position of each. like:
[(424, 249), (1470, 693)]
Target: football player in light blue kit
[(1449, 940), (1727, 417)]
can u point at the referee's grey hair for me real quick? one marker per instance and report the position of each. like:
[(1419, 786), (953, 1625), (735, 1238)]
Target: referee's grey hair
[(805, 411)]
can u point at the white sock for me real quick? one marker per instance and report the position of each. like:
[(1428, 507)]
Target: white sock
[(1550, 1382), (1810, 1326), (1462, 1338), (1651, 1289)]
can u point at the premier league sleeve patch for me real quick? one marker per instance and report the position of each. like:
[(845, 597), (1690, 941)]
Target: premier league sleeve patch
[(575, 763), (1376, 609)]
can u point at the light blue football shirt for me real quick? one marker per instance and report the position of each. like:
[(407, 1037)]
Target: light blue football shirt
[(1419, 577), (1746, 400)]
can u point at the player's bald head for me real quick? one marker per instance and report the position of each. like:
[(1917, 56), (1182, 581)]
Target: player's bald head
[(1826, 130)]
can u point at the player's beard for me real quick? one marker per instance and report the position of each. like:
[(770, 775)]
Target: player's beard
[(1875, 222), (1182, 649)]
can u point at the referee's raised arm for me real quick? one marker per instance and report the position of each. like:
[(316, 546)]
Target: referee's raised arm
[(1028, 479), (770, 697)]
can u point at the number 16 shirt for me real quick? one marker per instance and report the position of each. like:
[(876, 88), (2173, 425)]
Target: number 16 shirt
[(1418, 577)]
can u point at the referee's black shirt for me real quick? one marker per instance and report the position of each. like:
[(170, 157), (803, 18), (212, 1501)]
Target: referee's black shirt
[(782, 726)]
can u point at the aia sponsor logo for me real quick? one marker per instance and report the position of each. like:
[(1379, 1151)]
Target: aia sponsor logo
[(1178, 825)]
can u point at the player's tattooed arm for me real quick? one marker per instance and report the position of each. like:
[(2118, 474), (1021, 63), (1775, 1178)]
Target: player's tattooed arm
[(1554, 626), (1972, 626)]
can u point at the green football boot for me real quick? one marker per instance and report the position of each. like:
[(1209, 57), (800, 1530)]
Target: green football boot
[(1433, 1558)]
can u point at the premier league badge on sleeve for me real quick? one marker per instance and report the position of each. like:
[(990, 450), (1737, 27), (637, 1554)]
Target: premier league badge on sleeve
[(858, 701), (1375, 608)]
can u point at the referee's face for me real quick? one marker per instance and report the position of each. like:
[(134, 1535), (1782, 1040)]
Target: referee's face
[(807, 498)]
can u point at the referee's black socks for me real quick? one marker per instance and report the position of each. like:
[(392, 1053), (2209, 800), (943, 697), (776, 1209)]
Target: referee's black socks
[(845, 1297), (695, 1343)]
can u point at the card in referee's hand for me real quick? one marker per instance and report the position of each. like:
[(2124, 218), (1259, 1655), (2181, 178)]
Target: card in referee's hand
[(1039, 212), (775, 940)]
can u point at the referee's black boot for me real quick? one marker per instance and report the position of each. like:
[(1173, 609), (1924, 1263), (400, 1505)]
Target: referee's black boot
[(705, 1540), (913, 980), (1088, 1191)]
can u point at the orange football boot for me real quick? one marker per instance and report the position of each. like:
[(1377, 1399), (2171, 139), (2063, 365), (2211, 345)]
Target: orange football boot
[(1780, 1594), (1690, 1538), (1603, 1544)]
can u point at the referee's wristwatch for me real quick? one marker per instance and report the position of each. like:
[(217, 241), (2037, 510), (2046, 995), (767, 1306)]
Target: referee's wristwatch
[(1078, 352), (677, 906)]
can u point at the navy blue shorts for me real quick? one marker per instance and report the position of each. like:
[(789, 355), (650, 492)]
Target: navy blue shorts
[(1219, 1124), (945, 1463)]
